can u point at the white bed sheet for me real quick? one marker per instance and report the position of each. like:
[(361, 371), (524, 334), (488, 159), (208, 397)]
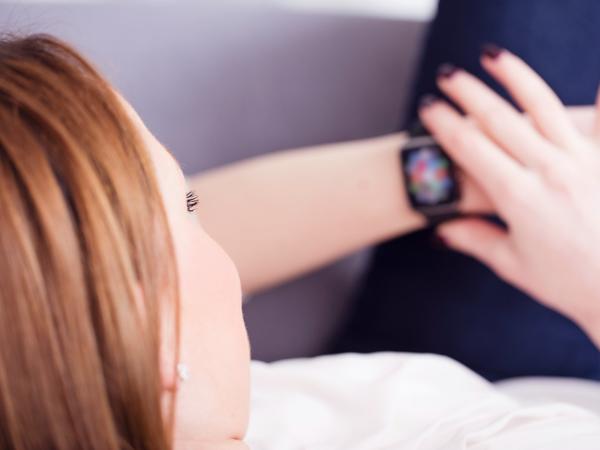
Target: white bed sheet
[(402, 401), (584, 393)]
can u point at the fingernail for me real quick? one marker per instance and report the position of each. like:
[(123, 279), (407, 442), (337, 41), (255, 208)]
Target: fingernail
[(491, 50), (443, 240), (438, 241), (427, 100), (447, 70)]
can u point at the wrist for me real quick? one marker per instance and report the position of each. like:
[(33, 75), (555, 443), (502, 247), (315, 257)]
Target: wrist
[(403, 218)]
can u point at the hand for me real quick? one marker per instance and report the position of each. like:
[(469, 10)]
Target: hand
[(542, 176)]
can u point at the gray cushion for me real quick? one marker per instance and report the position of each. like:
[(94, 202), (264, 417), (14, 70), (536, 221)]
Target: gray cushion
[(218, 81)]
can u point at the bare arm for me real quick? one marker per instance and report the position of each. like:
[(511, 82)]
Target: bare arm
[(284, 214)]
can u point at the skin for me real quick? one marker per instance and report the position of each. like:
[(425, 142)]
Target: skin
[(281, 215), (213, 404), (305, 208), (357, 187)]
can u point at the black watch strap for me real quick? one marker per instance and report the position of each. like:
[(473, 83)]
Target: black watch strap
[(416, 129), (434, 220)]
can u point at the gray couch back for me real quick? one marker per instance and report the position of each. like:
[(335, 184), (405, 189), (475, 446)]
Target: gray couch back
[(219, 81)]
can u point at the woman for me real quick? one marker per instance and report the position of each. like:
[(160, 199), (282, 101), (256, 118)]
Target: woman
[(120, 318)]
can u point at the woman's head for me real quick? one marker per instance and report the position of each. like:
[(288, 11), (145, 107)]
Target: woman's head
[(93, 227)]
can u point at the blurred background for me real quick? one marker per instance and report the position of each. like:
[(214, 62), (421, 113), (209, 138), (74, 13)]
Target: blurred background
[(217, 81)]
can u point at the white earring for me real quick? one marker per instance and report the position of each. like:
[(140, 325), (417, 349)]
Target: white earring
[(183, 372)]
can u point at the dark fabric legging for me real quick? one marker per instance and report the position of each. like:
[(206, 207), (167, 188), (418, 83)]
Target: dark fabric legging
[(420, 297)]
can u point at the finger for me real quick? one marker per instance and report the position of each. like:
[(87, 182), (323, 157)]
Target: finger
[(497, 117), (532, 94), (473, 198), (584, 118), (492, 169), (483, 241)]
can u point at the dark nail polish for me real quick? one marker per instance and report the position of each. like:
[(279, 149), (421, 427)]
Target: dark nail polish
[(442, 240), (447, 70), (428, 100), (439, 242), (491, 50)]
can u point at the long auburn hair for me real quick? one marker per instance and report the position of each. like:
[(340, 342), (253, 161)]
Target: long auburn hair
[(83, 233)]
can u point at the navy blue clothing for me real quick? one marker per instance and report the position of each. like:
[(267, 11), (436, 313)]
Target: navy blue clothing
[(420, 297)]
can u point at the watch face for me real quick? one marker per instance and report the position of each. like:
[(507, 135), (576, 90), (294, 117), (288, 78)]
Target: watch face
[(429, 176)]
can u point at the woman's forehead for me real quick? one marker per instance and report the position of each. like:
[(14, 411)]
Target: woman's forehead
[(165, 164)]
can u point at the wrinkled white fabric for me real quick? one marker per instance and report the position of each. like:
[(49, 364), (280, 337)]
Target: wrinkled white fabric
[(401, 401)]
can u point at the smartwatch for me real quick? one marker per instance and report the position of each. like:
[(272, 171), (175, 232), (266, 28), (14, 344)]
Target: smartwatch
[(430, 177)]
